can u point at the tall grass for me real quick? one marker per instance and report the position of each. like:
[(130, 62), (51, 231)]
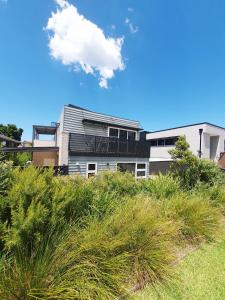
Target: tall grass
[(72, 238), (197, 219), (161, 187), (102, 261)]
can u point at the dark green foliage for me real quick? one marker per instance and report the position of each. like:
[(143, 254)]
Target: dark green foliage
[(11, 130)]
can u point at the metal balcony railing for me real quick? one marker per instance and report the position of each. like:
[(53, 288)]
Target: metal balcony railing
[(91, 145)]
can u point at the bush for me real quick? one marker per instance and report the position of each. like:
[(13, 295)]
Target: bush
[(191, 170), (162, 186), (5, 177), (122, 184), (215, 194), (73, 238), (197, 219), (129, 247)]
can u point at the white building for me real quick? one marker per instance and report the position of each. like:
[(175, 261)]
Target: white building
[(205, 140)]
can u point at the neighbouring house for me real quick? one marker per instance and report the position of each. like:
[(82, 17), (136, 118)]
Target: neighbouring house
[(45, 146), (26, 144), (206, 140), (6, 141), (89, 142)]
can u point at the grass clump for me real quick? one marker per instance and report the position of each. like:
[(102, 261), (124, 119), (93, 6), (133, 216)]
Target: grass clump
[(122, 184), (197, 219), (101, 261), (201, 276), (161, 187)]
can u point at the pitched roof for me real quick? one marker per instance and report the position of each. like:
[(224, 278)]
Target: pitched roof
[(8, 139)]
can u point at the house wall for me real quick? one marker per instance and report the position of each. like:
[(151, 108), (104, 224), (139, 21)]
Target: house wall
[(40, 143), (70, 121), (192, 136), (78, 164), (73, 122), (45, 158)]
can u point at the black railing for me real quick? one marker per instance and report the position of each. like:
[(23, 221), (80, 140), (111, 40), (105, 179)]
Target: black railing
[(82, 144)]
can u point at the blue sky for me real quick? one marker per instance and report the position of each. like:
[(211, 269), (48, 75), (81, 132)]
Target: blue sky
[(173, 56)]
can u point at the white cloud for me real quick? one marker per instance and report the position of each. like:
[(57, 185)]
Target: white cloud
[(133, 29), (81, 44)]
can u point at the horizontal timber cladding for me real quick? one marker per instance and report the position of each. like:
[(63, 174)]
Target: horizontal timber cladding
[(78, 164), (73, 122)]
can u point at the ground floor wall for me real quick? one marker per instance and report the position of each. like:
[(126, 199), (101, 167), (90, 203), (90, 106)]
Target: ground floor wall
[(79, 165), (48, 158)]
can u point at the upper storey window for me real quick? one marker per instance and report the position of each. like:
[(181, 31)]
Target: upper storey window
[(113, 132), (162, 142), (122, 134)]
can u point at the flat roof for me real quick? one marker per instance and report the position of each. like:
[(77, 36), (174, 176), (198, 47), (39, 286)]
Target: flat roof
[(42, 129), (195, 124)]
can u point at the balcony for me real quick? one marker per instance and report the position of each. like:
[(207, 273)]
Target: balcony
[(91, 145)]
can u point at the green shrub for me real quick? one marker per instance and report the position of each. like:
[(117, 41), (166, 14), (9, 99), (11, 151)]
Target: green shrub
[(197, 219), (123, 184), (215, 194), (191, 170), (28, 204), (72, 238), (101, 261), (162, 186), (72, 200), (5, 177)]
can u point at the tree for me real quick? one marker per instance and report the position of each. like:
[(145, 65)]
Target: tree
[(192, 170), (11, 130)]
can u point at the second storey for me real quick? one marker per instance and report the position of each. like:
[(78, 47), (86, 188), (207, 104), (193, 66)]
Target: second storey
[(85, 133)]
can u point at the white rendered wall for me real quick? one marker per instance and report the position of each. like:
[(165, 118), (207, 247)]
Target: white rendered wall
[(192, 136), (39, 143), (62, 142)]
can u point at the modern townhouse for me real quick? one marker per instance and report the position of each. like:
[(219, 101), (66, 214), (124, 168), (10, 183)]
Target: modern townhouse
[(206, 140), (89, 142)]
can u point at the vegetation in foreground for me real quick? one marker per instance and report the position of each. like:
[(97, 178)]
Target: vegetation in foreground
[(199, 276), (102, 238)]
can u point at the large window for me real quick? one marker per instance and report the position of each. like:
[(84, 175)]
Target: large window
[(126, 167), (122, 134), (163, 142), (113, 132), (138, 170), (91, 169)]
